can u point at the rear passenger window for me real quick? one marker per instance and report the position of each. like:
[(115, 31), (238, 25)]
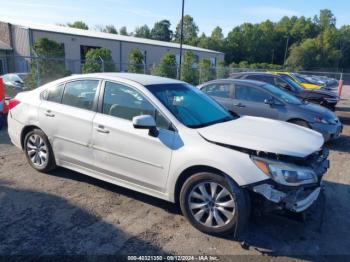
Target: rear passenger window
[(252, 94), (124, 102), (80, 94), (219, 90), (55, 93)]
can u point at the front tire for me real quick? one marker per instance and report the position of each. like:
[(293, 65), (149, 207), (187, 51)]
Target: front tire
[(38, 151), (212, 205)]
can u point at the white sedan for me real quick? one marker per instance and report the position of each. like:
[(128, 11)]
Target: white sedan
[(166, 138)]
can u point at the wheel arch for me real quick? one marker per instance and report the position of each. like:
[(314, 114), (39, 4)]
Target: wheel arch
[(188, 172), (25, 131), (291, 120)]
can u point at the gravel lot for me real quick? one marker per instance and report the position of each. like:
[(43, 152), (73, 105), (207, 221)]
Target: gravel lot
[(68, 213)]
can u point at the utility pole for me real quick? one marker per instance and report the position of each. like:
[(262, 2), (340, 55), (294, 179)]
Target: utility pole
[(285, 52), (181, 38)]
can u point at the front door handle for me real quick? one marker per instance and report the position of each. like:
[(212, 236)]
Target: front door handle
[(239, 105), (49, 113), (102, 129)]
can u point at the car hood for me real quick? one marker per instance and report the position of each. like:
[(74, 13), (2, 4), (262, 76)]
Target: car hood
[(263, 134), (323, 93), (310, 86)]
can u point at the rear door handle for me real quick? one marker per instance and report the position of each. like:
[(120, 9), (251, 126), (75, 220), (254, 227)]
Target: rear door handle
[(239, 105), (49, 113), (102, 129)]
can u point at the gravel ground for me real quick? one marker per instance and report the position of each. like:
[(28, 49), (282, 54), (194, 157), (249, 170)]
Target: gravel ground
[(67, 213)]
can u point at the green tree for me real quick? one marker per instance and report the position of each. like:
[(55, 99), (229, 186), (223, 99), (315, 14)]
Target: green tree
[(204, 41), (161, 31), (216, 39), (48, 65), (167, 66), (78, 24), (190, 31), (189, 72), (143, 32), (344, 45), (98, 60), (110, 29), (135, 61), (326, 19), (222, 71), (123, 30), (204, 70)]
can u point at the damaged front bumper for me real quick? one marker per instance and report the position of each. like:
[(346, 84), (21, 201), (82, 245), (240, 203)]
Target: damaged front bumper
[(295, 198)]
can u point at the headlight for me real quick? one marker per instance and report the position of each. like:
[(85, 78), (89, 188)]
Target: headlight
[(286, 173)]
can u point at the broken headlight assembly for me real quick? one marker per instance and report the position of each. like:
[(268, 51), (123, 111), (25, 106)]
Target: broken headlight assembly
[(286, 173)]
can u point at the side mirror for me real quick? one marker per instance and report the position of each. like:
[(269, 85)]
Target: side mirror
[(146, 122), (269, 101)]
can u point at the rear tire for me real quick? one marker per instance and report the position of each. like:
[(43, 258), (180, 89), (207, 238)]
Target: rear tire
[(214, 206), (38, 151)]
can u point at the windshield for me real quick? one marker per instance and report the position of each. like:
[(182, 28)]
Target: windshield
[(189, 105), (300, 78), (284, 96), (295, 86)]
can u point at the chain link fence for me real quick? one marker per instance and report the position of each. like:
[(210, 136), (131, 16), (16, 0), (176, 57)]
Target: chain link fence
[(38, 71)]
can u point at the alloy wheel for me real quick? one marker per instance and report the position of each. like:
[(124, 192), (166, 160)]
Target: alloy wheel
[(37, 150), (211, 204)]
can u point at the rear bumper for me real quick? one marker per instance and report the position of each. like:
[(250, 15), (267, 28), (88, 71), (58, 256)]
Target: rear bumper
[(14, 130)]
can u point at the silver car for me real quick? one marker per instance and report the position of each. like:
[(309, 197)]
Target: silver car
[(253, 98)]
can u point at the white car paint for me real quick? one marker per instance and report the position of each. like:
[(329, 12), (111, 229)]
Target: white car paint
[(266, 135), (132, 158)]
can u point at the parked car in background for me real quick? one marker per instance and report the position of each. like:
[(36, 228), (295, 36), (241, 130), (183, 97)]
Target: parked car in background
[(3, 104), (322, 97), (299, 80), (327, 83), (166, 138), (14, 83), (252, 98), (14, 80)]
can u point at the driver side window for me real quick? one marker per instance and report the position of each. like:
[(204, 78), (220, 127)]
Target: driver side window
[(124, 102), (281, 84)]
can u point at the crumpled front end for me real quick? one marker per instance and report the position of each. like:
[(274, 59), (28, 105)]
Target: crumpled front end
[(295, 198)]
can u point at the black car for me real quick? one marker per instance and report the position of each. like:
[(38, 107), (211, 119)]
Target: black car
[(325, 98)]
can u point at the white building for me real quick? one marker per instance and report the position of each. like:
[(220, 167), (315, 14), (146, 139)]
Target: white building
[(18, 40)]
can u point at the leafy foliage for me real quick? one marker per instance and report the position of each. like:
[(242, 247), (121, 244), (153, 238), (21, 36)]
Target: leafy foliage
[(123, 30), (135, 61), (143, 32), (79, 24), (189, 72), (205, 72), (161, 31), (167, 66), (48, 65), (93, 63), (190, 31)]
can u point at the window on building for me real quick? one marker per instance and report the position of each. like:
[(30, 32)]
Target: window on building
[(84, 49)]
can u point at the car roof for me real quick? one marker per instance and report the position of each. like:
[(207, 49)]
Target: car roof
[(235, 81), (138, 78), (252, 73)]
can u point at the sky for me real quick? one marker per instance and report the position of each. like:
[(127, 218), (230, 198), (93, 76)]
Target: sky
[(132, 13)]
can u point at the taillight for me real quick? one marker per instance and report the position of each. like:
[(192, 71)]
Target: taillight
[(13, 103)]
